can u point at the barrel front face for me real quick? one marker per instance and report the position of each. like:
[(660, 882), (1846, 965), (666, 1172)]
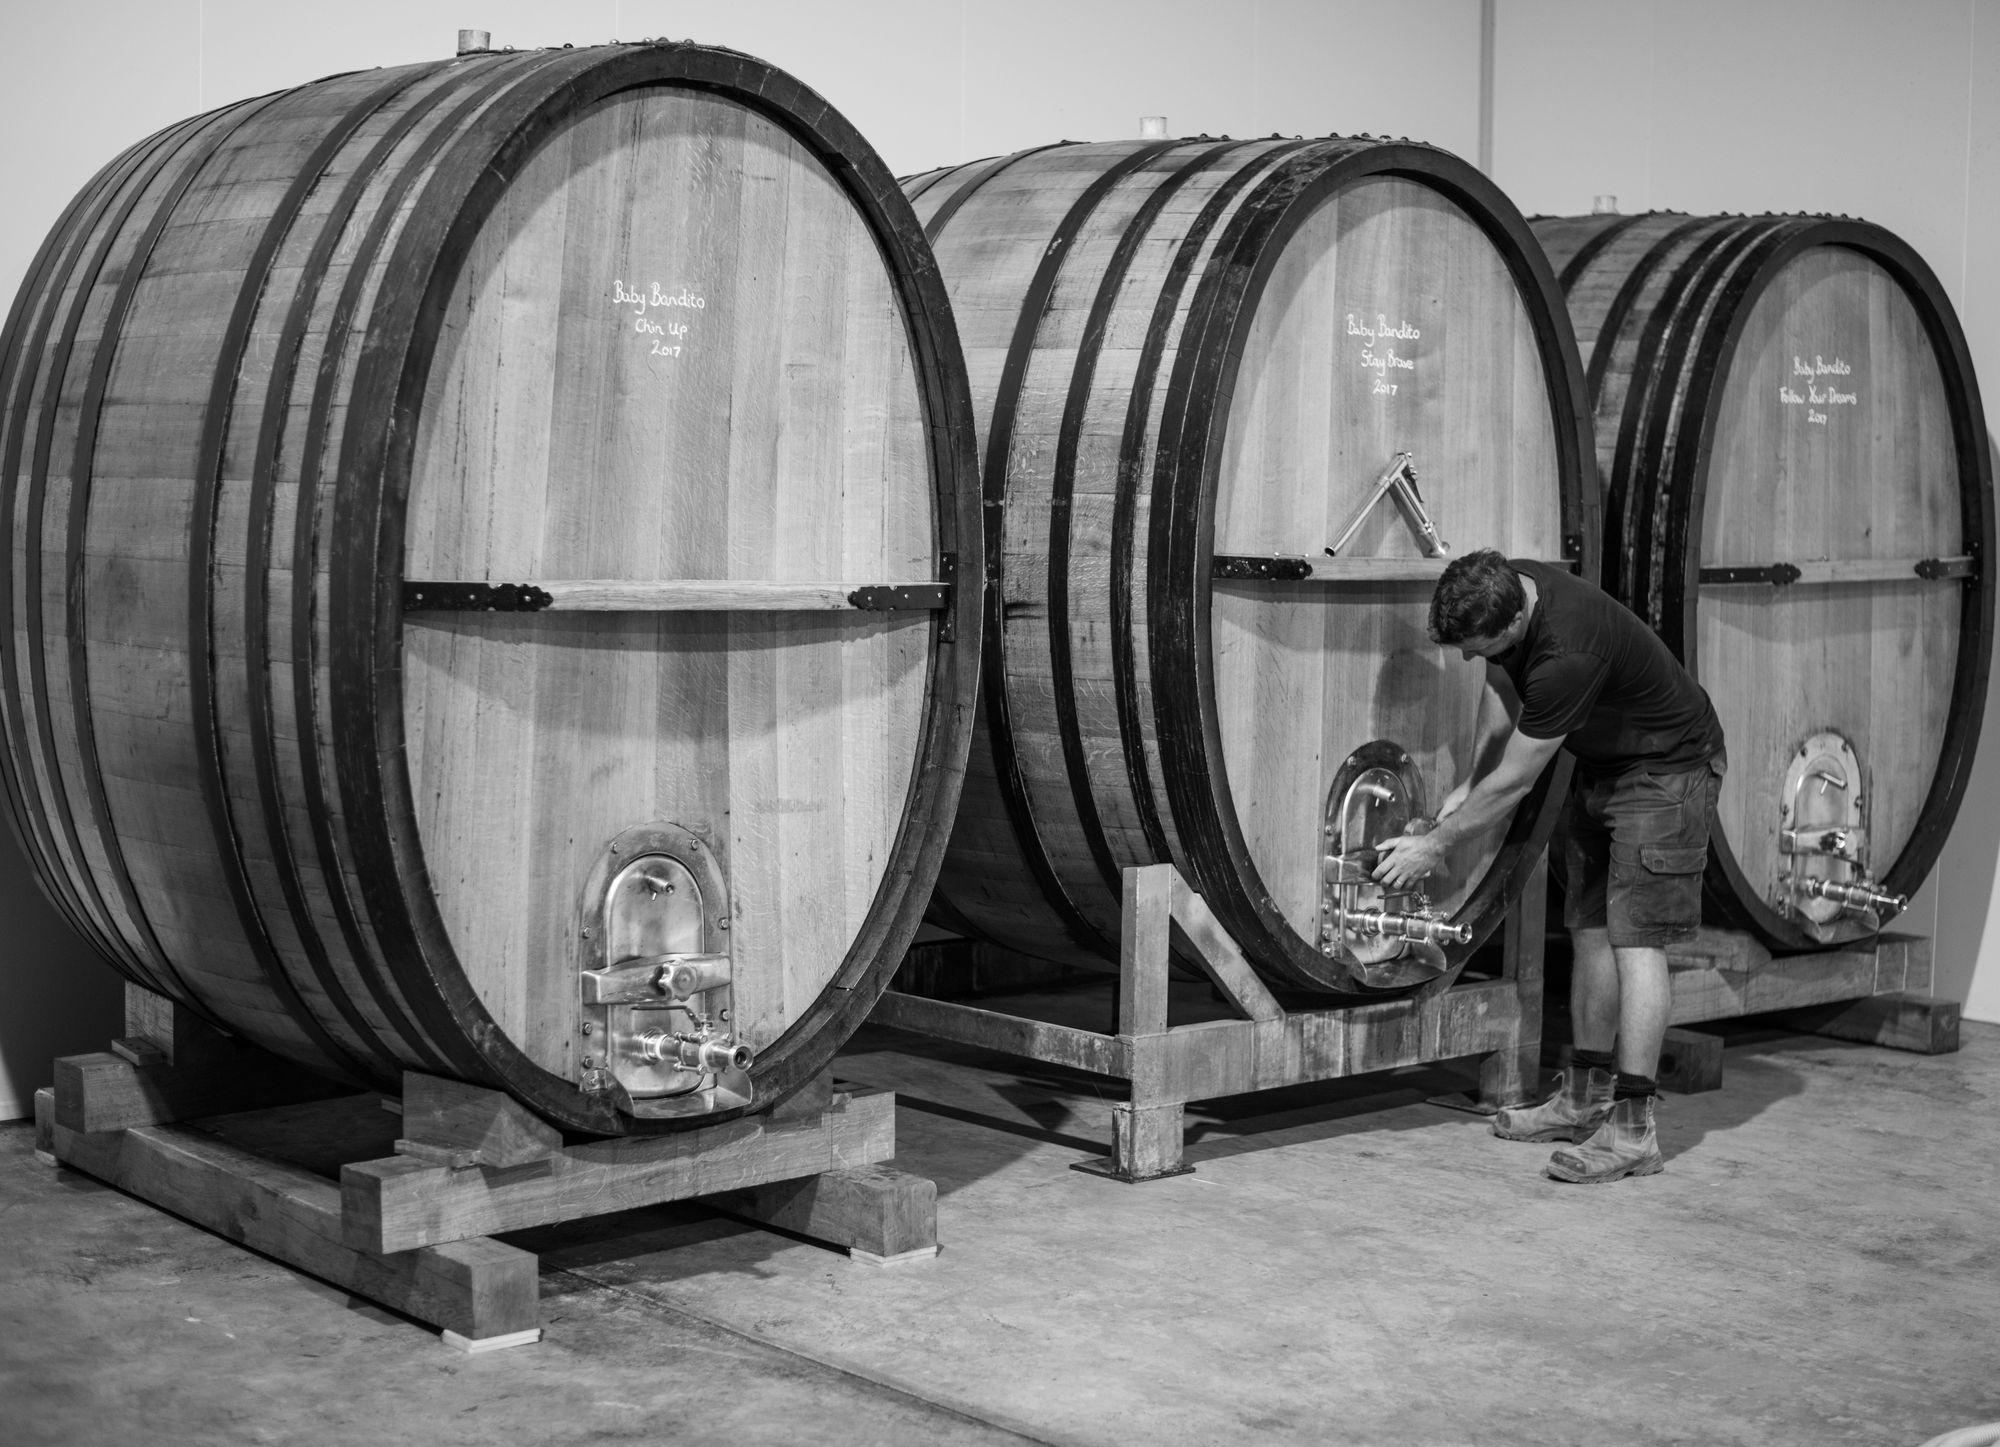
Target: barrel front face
[(672, 352), (1390, 323), (1193, 363), (1800, 503), (300, 391), (1833, 441)]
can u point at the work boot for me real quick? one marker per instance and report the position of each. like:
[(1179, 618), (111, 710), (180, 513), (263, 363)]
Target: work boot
[(1625, 1145), (1582, 1098)]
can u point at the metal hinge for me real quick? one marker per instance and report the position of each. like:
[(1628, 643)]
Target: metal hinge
[(1280, 569), (1776, 574), (474, 598)]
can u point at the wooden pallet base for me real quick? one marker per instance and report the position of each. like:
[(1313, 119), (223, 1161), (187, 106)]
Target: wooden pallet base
[(1170, 1065), (412, 1230)]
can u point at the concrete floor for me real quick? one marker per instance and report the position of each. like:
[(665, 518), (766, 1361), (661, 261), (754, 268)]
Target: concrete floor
[(1818, 1264)]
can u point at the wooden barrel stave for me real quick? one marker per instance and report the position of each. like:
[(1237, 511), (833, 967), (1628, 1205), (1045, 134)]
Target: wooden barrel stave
[(1091, 380), (1706, 470), (65, 417), (273, 896)]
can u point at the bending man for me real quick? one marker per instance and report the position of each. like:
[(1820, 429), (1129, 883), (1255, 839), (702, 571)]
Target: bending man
[(1569, 666)]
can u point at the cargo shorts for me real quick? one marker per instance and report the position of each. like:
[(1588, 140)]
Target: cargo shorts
[(1634, 848)]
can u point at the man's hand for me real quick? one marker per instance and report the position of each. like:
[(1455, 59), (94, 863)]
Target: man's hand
[(1406, 859)]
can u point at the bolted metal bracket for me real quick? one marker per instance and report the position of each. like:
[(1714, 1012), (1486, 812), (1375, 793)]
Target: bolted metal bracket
[(421, 597), (1280, 568), (1778, 575), (901, 597)]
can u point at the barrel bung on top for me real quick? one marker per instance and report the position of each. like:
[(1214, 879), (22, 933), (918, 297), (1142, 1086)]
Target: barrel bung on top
[(481, 594), (1799, 500), (1236, 401)]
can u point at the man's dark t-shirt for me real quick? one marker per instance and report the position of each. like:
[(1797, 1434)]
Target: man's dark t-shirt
[(1589, 669)]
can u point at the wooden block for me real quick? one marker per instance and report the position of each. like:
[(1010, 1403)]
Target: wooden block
[(103, 1091), (160, 1031), (1690, 1062), (1145, 1144), (401, 1203), (45, 1125), (814, 1098), (1903, 962), (478, 1289), (1899, 1020), (141, 1052), (467, 1125), (879, 1213)]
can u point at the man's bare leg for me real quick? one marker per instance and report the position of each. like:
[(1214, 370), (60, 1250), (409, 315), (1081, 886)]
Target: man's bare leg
[(1645, 998), (1594, 990)]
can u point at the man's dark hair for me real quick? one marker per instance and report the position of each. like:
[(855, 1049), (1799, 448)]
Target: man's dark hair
[(1478, 596)]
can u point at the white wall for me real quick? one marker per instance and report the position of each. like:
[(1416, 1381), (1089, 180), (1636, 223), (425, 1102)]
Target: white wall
[(1841, 105)]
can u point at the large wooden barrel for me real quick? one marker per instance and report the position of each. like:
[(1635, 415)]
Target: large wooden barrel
[(478, 594), (1193, 362), (1799, 500)]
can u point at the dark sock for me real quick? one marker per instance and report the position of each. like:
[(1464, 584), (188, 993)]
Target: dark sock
[(1592, 1059), (1634, 1087)]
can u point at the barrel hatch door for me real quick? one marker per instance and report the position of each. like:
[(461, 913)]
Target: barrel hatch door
[(657, 998), (1822, 877), (1385, 940)]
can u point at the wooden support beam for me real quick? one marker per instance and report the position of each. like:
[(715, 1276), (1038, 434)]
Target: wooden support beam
[(1010, 1034), (1231, 1057), (1899, 1021), (1145, 935), (400, 1204), (1510, 1075), (881, 1215), (1721, 976), (1215, 951), (1146, 1144), (480, 1292)]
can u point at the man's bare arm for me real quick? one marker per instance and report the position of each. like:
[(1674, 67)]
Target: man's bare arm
[(1498, 712), (1490, 800)]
